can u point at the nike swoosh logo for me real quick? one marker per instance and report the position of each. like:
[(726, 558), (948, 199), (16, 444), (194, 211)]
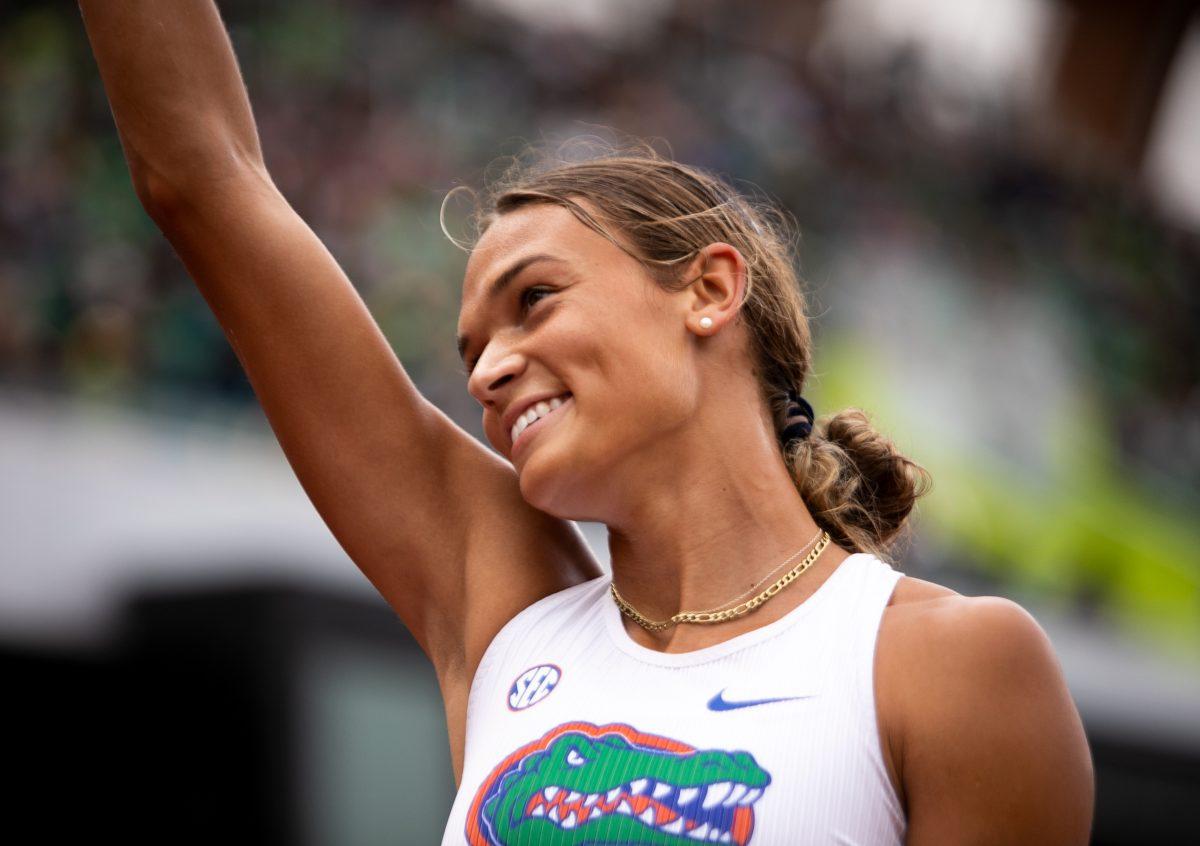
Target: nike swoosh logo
[(720, 703)]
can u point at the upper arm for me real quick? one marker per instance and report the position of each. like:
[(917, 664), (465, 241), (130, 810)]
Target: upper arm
[(433, 519), (993, 749), (508, 553)]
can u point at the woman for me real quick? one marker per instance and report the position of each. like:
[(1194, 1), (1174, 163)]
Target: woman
[(647, 318)]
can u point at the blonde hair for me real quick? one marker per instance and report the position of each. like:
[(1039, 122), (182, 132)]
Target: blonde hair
[(855, 482)]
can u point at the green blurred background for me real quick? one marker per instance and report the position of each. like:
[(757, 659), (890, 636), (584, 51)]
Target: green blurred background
[(1017, 310)]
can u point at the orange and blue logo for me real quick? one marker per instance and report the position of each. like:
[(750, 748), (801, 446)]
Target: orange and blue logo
[(581, 784)]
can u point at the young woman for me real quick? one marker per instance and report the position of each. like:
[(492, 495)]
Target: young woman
[(754, 671)]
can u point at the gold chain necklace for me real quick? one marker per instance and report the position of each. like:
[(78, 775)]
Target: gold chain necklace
[(730, 613), (783, 564)]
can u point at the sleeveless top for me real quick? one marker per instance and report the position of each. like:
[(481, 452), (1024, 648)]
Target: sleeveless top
[(576, 734)]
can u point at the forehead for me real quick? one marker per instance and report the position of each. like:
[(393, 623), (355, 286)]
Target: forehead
[(524, 237), (536, 229)]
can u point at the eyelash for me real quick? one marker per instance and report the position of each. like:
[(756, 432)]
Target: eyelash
[(525, 294), (523, 299)]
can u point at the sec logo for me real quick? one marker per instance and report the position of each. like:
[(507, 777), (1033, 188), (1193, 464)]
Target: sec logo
[(532, 686)]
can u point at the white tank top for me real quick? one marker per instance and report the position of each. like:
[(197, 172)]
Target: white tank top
[(577, 734)]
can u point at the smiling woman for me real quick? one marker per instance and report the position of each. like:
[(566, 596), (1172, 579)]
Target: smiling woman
[(665, 223), (636, 337), (670, 324)]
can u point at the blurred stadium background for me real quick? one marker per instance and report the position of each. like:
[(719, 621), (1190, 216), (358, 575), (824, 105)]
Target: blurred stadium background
[(999, 203)]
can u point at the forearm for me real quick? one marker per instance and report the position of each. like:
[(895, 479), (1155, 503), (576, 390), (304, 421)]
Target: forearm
[(176, 93)]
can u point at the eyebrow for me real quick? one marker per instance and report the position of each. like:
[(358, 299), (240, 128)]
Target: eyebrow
[(500, 283)]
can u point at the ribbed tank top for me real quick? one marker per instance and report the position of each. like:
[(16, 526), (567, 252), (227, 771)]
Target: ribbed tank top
[(576, 734)]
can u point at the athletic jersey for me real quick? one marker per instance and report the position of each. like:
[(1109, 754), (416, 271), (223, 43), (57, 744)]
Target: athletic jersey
[(576, 734)]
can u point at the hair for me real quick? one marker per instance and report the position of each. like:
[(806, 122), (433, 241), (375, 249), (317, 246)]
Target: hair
[(854, 481)]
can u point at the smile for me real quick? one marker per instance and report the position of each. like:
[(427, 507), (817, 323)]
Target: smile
[(535, 418)]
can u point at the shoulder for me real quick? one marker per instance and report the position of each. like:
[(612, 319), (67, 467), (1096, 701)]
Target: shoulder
[(922, 614), (986, 734)]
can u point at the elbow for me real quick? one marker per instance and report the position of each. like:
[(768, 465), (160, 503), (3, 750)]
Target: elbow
[(166, 191), (157, 193)]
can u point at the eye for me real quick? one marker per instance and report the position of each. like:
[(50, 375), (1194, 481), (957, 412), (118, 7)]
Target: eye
[(530, 291), (575, 759)]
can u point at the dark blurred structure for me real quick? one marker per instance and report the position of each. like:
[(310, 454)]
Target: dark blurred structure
[(255, 714), (271, 715), (1112, 72)]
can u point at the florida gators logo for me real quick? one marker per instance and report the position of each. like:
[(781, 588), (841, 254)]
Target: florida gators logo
[(581, 784)]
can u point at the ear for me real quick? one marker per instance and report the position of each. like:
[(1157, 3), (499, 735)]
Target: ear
[(718, 274)]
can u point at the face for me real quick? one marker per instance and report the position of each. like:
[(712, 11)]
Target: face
[(581, 319)]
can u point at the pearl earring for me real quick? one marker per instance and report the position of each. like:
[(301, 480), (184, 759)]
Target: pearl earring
[(705, 322)]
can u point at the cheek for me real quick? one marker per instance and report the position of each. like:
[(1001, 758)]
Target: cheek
[(629, 365), (493, 431), (647, 382)]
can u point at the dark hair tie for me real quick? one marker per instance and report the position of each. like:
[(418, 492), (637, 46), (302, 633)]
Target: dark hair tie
[(800, 419)]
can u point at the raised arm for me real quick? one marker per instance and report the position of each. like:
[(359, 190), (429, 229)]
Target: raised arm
[(433, 518), (176, 94)]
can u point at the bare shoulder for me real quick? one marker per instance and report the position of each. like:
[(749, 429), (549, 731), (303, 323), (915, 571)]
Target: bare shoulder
[(913, 603), (983, 733), (911, 592), (922, 615), (926, 620)]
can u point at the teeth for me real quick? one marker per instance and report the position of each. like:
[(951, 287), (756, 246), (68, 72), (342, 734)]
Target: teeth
[(539, 811), (723, 793), (734, 795), (716, 793), (538, 409)]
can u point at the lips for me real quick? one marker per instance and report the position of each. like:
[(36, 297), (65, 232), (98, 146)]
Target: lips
[(537, 425)]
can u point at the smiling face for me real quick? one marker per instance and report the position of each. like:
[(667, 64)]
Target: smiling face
[(579, 316)]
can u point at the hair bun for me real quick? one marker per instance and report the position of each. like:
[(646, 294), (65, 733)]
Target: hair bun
[(858, 485)]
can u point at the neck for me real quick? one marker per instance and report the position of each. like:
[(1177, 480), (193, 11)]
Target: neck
[(704, 533)]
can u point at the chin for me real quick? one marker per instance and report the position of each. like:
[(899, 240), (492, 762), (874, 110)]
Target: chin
[(548, 484)]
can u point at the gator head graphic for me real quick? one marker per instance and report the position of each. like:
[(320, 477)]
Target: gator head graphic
[(584, 784)]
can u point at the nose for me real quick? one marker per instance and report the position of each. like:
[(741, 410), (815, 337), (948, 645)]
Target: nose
[(496, 367)]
